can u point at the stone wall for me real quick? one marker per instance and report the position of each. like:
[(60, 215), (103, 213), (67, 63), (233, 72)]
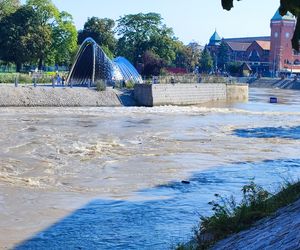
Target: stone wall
[(28, 96), (188, 94), (237, 92)]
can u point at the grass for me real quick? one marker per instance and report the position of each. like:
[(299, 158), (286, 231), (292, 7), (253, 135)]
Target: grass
[(230, 217), (23, 78)]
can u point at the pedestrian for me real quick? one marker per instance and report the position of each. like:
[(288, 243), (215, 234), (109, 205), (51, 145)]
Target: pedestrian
[(63, 79), (58, 79)]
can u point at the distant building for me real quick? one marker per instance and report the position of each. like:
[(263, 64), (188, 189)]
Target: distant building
[(266, 55)]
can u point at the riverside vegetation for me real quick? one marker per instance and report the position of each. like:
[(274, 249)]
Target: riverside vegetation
[(230, 217), (25, 78)]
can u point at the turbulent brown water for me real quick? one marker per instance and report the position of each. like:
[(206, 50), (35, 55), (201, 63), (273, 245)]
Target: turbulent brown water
[(110, 178)]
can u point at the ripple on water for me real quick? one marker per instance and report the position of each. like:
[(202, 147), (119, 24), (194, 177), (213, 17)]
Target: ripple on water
[(113, 152), (270, 132)]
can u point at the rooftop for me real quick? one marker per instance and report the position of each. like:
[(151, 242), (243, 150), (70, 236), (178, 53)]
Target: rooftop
[(266, 45), (238, 46), (248, 39), (215, 38), (277, 17)]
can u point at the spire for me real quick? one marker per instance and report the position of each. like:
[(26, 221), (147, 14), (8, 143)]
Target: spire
[(277, 17), (215, 39)]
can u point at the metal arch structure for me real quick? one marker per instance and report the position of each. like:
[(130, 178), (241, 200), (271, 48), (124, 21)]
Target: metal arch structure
[(92, 64), (127, 70)]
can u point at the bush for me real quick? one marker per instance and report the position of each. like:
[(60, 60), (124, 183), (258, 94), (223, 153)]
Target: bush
[(23, 78), (100, 85), (129, 84), (7, 78), (234, 68)]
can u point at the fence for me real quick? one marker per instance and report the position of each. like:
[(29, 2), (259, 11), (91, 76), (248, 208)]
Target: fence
[(10, 68), (194, 78)]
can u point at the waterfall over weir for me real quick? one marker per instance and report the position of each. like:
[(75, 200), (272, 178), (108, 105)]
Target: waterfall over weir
[(92, 64)]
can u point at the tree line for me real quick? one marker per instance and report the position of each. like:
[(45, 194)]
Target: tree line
[(37, 33)]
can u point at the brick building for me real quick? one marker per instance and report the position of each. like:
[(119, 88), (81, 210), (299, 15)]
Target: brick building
[(268, 55)]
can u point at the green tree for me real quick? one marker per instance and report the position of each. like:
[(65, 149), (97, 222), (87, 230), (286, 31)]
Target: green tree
[(186, 57), (145, 32), (234, 68), (46, 15), (63, 36), (102, 31), (8, 7), (205, 62), (292, 6), (223, 56), (64, 39), (37, 32), (45, 9), (20, 37), (152, 64)]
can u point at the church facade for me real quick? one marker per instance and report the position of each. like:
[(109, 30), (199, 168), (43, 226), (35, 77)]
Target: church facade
[(268, 55)]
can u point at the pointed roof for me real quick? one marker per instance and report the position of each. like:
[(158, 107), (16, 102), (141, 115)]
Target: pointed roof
[(215, 39), (238, 46), (277, 17), (246, 66), (265, 45)]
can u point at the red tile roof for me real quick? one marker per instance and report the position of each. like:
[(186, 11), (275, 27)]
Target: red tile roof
[(265, 45)]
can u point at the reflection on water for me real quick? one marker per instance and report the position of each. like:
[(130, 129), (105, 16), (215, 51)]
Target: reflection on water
[(124, 167)]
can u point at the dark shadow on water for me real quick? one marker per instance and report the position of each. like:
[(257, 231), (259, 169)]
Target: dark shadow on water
[(165, 215), (270, 132)]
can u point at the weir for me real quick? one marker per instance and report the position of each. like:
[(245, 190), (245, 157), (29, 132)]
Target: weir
[(189, 94)]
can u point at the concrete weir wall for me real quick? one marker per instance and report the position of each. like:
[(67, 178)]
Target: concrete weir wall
[(188, 94), (28, 96)]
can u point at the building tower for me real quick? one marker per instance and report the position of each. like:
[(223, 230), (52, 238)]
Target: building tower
[(213, 47), (282, 56)]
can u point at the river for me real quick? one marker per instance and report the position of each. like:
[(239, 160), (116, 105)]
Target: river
[(111, 178)]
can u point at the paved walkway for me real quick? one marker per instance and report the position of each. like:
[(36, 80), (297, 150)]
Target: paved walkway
[(279, 232)]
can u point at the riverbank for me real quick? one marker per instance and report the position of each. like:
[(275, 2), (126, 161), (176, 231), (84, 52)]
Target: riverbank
[(280, 231), (260, 221), (41, 96), (286, 83)]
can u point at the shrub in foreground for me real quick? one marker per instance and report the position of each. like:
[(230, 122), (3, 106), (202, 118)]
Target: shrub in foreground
[(230, 217), (100, 85)]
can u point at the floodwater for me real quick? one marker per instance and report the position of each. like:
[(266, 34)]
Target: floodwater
[(111, 178)]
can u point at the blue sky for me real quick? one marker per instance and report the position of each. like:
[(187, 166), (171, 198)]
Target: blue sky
[(190, 19)]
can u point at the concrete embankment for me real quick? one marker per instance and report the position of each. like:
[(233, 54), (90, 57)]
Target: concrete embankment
[(29, 96), (144, 94), (281, 231), (188, 94), (275, 83)]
